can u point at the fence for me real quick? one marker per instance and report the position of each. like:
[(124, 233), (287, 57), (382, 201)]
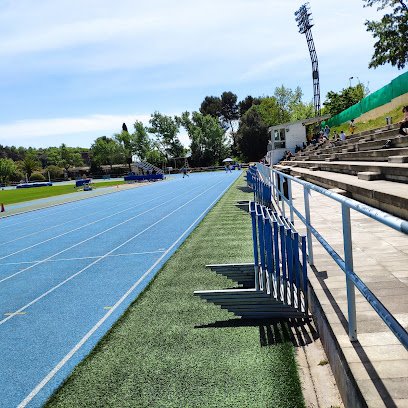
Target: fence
[(398, 86), (280, 258), (276, 181)]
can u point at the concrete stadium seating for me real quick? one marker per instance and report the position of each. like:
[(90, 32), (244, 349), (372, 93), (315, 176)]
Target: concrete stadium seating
[(371, 167)]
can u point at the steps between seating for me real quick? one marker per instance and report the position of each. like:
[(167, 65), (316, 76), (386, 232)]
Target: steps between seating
[(382, 194)]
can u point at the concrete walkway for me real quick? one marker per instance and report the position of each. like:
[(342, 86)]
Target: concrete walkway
[(373, 371)]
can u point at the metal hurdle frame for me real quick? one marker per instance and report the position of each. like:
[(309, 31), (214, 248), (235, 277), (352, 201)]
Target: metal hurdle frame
[(276, 180), (280, 258)]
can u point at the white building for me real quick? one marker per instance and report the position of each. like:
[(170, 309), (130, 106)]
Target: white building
[(287, 136)]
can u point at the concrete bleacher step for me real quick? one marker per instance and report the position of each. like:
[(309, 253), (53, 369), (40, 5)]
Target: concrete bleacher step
[(389, 171), (398, 159), (372, 155), (382, 194), (369, 175)]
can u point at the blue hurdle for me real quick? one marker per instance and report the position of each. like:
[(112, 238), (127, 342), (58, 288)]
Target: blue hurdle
[(279, 283)]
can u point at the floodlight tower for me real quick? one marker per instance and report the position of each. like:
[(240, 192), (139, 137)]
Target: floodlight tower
[(305, 23)]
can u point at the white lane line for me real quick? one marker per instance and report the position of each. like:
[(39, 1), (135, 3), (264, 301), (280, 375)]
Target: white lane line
[(95, 235), (84, 339), (84, 226), (159, 251), (59, 210), (88, 215), (104, 256)]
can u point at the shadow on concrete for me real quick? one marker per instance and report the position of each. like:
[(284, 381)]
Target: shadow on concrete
[(365, 361)]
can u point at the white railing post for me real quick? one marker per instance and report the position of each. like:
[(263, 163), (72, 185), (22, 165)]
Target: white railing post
[(281, 194), (306, 192), (348, 260), (292, 218)]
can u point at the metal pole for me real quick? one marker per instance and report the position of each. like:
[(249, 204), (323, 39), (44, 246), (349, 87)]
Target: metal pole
[(281, 194), (292, 219), (348, 260), (306, 192)]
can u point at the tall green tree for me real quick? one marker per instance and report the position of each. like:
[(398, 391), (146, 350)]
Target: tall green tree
[(337, 102), (211, 105), (127, 144), (229, 109), (29, 164), (142, 142), (252, 135), (246, 103), (7, 169), (105, 150), (165, 128), (69, 157), (208, 139), (390, 32)]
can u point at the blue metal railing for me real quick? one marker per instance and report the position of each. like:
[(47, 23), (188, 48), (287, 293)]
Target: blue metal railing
[(279, 269), (276, 181)]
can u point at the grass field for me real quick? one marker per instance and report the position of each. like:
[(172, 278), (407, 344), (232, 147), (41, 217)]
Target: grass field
[(26, 194), (376, 123), (171, 349)]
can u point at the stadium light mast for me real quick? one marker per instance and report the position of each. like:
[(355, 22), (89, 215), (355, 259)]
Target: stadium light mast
[(305, 23)]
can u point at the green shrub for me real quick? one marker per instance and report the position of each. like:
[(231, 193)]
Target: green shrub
[(37, 177), (55, 172)]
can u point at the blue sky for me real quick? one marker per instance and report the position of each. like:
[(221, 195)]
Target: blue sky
[(72, 70)]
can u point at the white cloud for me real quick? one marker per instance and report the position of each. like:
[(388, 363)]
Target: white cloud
[(39, 132), (30, 129)]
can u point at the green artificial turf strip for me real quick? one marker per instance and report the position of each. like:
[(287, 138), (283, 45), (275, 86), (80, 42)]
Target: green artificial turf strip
[(157, 355), (27, 194)]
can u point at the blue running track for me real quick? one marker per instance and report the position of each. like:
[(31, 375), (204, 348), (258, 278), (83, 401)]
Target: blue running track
[(67, 273)]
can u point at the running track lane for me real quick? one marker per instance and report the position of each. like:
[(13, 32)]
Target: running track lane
[(64, 292)]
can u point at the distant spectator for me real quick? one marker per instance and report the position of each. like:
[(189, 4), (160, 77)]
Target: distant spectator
[(297, 149), (342, 136), (352, 127), (326, 132), (336, 136), (403, 130)]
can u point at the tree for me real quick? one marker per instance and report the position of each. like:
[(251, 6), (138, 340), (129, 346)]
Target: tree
[(246, 103), (338, 102), (106, 151), (126, 141), (208, 140), (142, 143), (211, 105), (390, 33), (229, 108), (7, 169), (68, 157), (29, 165), (165, 128), (252, 135)]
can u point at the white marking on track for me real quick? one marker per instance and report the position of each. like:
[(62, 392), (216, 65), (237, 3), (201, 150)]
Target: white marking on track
[(77, 347), (159, 251), (103, 257), (91, 237)]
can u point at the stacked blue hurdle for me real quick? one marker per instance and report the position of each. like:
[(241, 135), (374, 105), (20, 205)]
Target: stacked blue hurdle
[(275, 285)]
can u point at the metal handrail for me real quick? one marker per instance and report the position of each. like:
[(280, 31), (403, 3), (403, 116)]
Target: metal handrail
[(352, 280)]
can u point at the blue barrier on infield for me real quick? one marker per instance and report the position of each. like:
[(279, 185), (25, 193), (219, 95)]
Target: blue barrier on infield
[(81, 182), (30, 185)]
